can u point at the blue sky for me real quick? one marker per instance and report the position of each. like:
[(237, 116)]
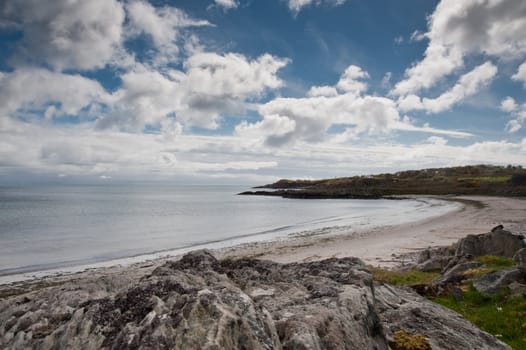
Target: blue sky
[(252, 91)]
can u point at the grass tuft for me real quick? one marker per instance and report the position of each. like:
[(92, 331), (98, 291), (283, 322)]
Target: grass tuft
[(402, 278), (496, 262), (404, 340)]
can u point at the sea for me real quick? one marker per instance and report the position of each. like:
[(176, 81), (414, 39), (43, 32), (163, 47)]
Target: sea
[(60, 227)]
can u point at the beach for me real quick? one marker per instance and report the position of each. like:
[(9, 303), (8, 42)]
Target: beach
[(388, 246)]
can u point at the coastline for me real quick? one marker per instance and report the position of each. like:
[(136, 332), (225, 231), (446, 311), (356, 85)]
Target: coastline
[(386, 246), (390, 246)]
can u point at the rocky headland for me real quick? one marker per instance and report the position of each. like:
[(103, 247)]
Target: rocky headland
[(485, 180), (200, 302)]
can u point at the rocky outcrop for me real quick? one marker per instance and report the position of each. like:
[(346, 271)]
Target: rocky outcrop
[(457, 258), (199, 302), (495, 282), (456, 265), (497, 242), (444, 329)]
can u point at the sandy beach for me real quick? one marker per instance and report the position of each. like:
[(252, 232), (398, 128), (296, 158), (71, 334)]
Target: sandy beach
[(386, 246)]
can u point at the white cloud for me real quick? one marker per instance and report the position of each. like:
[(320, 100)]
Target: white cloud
[(326, 91), (297, 5), (521, 74), (350, 80), (437, 140), (233, 75), (508, 104), (468, 85), (410, 103), (67, 34), (77, 151), (274, 130), (513, 126), (518, 112), (162, 25), (417, 36), (323, 108), (227, 4), (457, 28), (210, 86), (32, 89)]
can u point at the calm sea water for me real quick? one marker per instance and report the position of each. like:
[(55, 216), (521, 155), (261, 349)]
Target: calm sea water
[(45, 227)]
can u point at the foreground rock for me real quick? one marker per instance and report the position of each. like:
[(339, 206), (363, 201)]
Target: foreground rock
[(495, 282), (201, 303)]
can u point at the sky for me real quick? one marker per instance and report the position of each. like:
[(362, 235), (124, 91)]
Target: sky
[(251, 91)]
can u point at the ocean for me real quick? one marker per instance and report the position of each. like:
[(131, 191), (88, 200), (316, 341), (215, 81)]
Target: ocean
[(54, 226)]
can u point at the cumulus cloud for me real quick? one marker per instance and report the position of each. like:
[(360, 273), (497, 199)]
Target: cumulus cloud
[(351, 80), (468, 85), (227, 4), (458, 28), (210, 85), (297, 5), (508, 104), (327, 91), (40, 90), (321, 129), (274, 130), (521, 74), (518, 113), (162, 25), (66, 34), (309, 119), (233, 75)]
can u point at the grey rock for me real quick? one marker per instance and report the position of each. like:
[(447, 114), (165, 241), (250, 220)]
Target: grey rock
[(497, 242), (517, 288), (494, 282), (444, 329), (436, 263), (437, 252), (199, 302), (520, 257), (457, 273)]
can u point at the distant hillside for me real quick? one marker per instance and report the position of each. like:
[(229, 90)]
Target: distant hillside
[(465, 180)]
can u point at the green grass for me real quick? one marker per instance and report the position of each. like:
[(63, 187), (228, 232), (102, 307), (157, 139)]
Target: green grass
[(501, 315), (495, 262), (402, 278), (502, 178)]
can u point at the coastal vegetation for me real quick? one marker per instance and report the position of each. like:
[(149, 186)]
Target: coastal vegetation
[(402, 277), (464, 180), (502, 314)]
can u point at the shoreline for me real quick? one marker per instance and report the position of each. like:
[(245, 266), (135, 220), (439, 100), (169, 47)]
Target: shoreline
[(390, 246), (386, 246)]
